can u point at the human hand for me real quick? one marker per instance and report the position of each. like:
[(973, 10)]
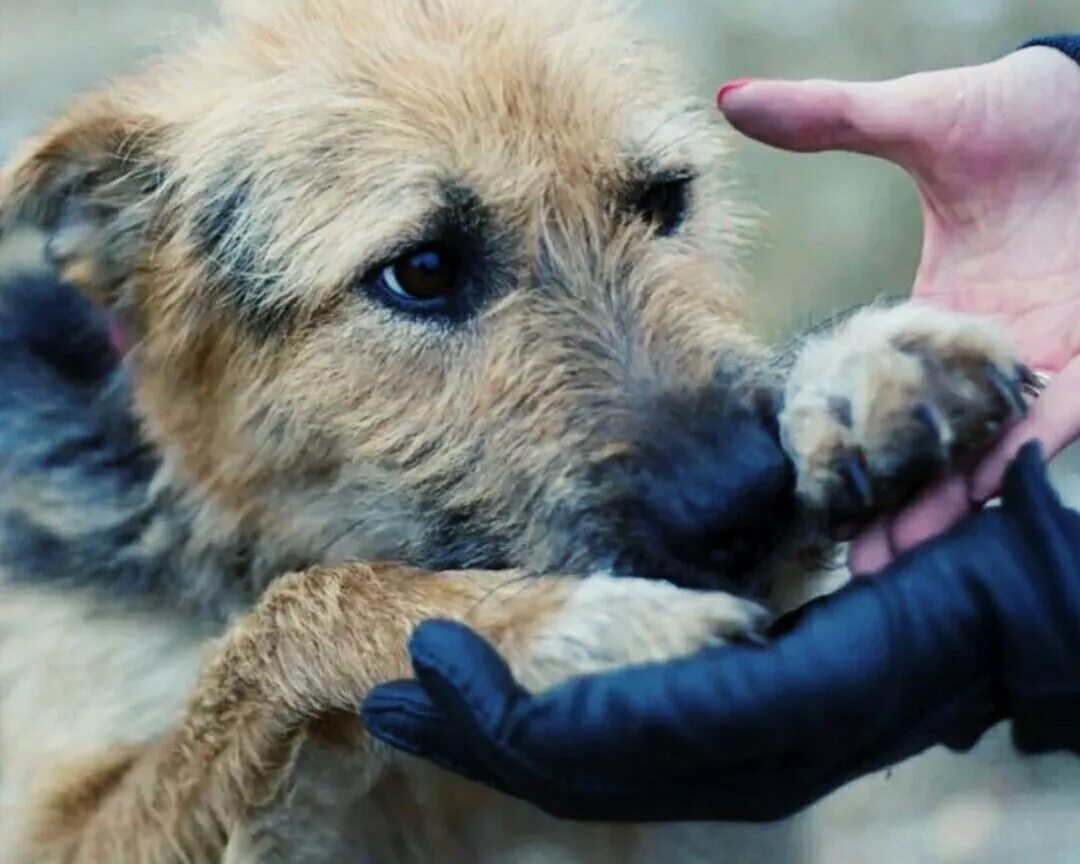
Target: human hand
[(995, 151), (971, 627)]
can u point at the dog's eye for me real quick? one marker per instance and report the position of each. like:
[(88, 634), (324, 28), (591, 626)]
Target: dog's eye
[(665, 203), (424, 278)]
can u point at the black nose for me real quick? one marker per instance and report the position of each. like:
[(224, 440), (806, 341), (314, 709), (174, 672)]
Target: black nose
[(712, 490)]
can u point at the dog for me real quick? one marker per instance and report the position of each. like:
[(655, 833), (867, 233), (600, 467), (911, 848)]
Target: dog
[(415, 305)]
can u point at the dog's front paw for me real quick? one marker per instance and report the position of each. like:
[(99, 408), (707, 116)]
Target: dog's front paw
[(609, 622), (894, 398)]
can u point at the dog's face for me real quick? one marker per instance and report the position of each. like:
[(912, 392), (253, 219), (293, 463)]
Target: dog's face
[(441, 280)]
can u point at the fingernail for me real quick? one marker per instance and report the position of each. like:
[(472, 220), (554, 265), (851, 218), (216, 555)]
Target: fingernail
[(730, 88)]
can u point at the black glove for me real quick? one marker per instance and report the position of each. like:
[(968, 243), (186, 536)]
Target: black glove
[(977, 626)]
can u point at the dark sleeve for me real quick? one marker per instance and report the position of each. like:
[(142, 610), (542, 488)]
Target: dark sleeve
[(1067, 43), (976, 626), (1038, 618)]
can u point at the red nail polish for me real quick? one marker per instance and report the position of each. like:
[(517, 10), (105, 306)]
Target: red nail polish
[(730, 88)]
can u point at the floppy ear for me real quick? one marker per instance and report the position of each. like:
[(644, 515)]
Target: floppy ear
[(89, 183)]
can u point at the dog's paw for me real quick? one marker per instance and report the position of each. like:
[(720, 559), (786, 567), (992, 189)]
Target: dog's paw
[(894, 398), (609, 622)]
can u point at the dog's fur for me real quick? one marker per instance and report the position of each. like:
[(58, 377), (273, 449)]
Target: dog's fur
[(167, 693)]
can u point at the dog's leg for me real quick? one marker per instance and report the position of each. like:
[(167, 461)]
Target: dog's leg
[(314, 645)]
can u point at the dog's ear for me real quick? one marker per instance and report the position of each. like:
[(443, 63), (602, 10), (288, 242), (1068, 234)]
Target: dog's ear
[(89, 182)]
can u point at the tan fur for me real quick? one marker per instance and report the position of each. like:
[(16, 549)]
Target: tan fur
[(315, 642), (224, 204)]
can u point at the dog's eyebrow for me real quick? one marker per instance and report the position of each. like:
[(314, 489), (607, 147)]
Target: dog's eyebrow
[(646, 174), (457, 209), (462, 208), (649, 173), (493, 248), (230, 243), (216, 223), (672, 140)]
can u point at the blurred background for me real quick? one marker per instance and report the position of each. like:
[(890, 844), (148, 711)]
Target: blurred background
[(836, 230)]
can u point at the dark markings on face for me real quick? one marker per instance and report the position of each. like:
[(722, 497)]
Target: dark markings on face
[(230, 244), (461, 237), (662, 198), (462, 540)]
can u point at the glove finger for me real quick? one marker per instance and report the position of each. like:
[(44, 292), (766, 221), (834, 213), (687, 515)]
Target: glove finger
[(402, 715), (472, 687), (465, 678)]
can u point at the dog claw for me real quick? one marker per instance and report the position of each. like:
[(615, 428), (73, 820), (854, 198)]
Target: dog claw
[(1031, 382), (1009, 390), (931, 420), (750, 637)]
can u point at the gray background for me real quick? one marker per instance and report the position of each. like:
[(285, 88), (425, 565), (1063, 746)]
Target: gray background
[(836, 230)]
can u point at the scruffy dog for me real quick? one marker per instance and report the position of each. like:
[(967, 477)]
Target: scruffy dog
[(440, 282)]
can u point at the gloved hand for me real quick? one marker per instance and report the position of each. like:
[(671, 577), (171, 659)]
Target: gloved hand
[(976, 626)]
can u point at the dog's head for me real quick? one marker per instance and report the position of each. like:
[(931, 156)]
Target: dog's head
[(441, 280)]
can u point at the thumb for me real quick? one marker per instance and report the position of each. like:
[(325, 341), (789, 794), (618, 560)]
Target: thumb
[(899, 120), (464, 676)]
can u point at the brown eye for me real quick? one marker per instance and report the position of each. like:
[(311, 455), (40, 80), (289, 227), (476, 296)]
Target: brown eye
[(428, 275), (666, 204)]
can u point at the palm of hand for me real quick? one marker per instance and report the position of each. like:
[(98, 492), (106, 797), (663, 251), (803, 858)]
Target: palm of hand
[(995, 150), (998, 168)]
